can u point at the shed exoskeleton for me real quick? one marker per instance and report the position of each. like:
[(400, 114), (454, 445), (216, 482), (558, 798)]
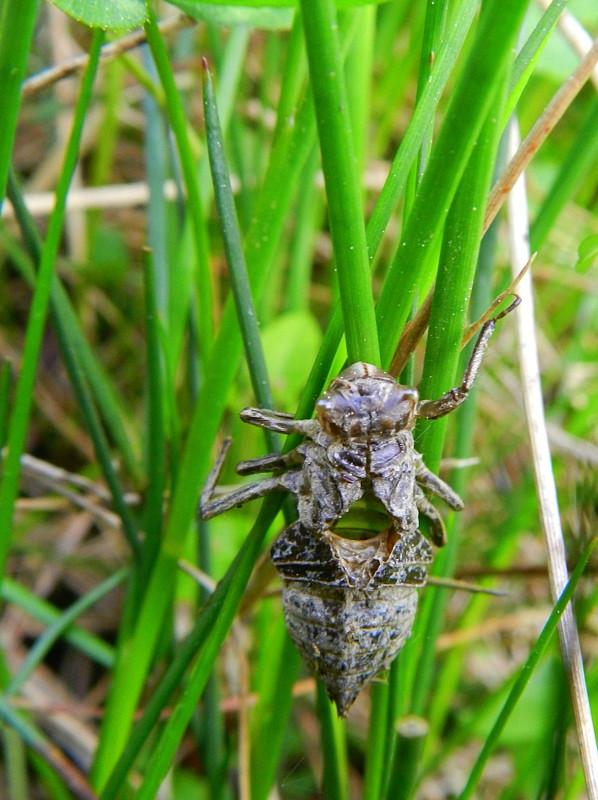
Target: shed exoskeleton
[(349, 590), (349, 605)]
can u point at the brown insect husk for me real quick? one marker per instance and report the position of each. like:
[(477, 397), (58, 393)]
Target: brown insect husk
[(349, 600), (349, 605)]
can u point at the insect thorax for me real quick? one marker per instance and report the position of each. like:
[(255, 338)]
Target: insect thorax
[(370, 405)]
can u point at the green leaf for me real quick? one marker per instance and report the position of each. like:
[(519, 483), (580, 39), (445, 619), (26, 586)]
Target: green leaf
[(198, 4), (291, 343), (230, 15), (120, 15), (588, 254), (533, 717), (270, 14)]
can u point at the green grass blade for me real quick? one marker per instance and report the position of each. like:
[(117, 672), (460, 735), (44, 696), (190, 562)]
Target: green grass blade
[(530, 53), (35, 328), (209, 633), (16, 766), (235, 258), (17, 21), (294, 78), (375, 765), (47, 614), (176, 116), (470, 103), (59, 627), (343, 185), (454, 282), (272, 713), (526, 671), (420, 123), (358, 72), (431, 44), (156, 165), (5, 388), (111, 404), (577, 162), (287, 160), (156, 433), (300, 256), (334, 748)]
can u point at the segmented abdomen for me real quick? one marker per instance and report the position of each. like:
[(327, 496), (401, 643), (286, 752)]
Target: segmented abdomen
[(347, 635), (349, 605)]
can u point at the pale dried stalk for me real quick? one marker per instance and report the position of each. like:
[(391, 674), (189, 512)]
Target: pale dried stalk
[(544, 478), (103, 197), (539, 132)]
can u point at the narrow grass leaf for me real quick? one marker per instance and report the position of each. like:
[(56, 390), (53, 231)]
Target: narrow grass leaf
[(176, 116), (470, 103), (156, 433), (37, 317), (343, 185), (272, 714), (59, 627), (531, 52), (235, 258), (334, 748), (577, 162), (5, 389), (17, 22), (358, 74), (526, 671), (115, 413), (15, 766), (420, 122), (47, 614), (375, 765)]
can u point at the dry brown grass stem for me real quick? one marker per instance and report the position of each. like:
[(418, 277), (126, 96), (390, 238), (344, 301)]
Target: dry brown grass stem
[(575, 34), (76, 64), (544, 477), (539, 132)]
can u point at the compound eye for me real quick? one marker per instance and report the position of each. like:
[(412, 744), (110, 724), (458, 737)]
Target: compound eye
[(398, 412), (339, 410)]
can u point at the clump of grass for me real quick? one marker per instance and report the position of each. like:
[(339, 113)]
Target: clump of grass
[(191, 675)]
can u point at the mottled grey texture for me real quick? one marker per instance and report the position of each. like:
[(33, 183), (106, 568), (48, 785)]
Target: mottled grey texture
[(347, 635), (350, 581), (349, 605)]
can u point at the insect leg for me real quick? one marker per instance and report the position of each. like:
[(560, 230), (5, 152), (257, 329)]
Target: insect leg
[(425, 507), (214, 474), (427, 478), (272, 462), (433, 409), (211, 508), (278, 421)]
